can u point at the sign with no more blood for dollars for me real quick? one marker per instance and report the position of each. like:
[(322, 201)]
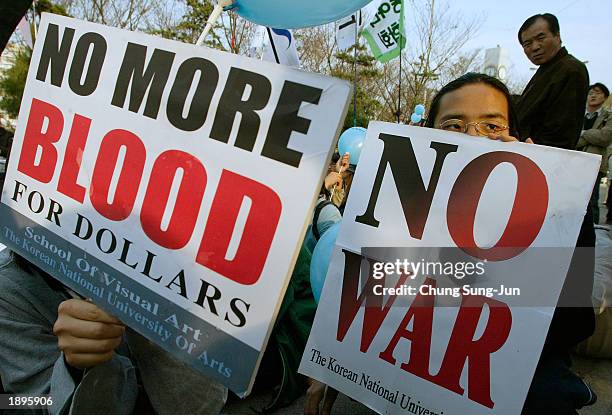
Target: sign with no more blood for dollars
[(171, 184)]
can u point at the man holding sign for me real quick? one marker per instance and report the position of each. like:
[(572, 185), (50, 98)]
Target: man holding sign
[(157, 180), (458, 329)]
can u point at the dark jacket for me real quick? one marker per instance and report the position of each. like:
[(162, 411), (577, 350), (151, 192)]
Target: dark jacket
[(551, 112), (551, 108), (6, 140), (575, 321)]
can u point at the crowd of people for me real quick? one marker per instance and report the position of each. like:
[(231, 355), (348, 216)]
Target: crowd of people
[(54, 342)]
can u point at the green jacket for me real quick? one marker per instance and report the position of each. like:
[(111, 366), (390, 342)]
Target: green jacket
[(289, 336)]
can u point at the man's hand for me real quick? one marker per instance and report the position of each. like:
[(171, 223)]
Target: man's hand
[(317, 392), (86, 334)]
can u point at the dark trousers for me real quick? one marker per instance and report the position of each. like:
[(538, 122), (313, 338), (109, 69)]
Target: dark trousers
[(555, 389)]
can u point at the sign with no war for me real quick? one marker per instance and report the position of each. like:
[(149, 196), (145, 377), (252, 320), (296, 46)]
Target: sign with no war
[(171, 184), (443, 233)]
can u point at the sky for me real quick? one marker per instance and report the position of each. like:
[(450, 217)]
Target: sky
[(586, 31)]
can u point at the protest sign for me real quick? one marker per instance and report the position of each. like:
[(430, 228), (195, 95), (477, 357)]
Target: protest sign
[(171, 184), (280, 47), (386, 34), (347, 30), (427, 352)]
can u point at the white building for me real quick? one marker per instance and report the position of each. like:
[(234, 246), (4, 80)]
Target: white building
[(496, 63)]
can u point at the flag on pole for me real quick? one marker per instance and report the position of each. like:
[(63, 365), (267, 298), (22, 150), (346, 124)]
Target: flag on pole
[(386, 34), (26, 34), (281, 48), (347, 29)]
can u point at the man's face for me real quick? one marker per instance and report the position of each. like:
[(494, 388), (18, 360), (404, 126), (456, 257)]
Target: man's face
[(472, 109), (596, 97), (539, 43)]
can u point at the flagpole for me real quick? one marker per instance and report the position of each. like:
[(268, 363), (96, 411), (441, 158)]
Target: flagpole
[(355, 75), (399, 95), (34, 19), (402, 41), (272, 44), (212, 19)]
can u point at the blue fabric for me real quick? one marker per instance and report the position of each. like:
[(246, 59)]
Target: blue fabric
[(329, 216), (31, 362)]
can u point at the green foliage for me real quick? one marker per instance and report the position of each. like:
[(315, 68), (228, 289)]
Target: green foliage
[(12, 83), (368, 106), (45, 6), (192, 23), (367, 110)]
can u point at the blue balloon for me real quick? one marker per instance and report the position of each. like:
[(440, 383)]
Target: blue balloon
[(293, 14), (415, 118), (351, 141), (419, 109), (321, 258)]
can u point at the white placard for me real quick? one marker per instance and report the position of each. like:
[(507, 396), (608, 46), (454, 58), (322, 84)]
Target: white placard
[(170, 183), (418, 188)]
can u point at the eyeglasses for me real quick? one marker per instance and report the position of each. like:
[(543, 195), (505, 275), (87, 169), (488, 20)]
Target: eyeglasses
[(482, 127)]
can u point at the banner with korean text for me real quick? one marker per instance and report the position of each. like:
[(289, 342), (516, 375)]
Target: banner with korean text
[(447, 268), (171, 184), (386, 32)]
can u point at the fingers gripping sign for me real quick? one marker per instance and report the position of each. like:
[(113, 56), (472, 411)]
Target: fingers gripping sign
[(86, 334)]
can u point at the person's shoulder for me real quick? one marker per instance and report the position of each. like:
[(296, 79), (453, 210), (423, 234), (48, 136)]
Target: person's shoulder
[(13, 278), (17, 282), (26, 296), (15, 286), (330, 209), (572, 64), (5, 256)]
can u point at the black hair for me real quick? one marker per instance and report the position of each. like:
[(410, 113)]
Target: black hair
[(601, 86), (551, 20), (471, 78)]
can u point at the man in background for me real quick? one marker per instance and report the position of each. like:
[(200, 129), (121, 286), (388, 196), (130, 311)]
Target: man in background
[(6, 140), (551, 108), (597, 136), (551, 112)]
